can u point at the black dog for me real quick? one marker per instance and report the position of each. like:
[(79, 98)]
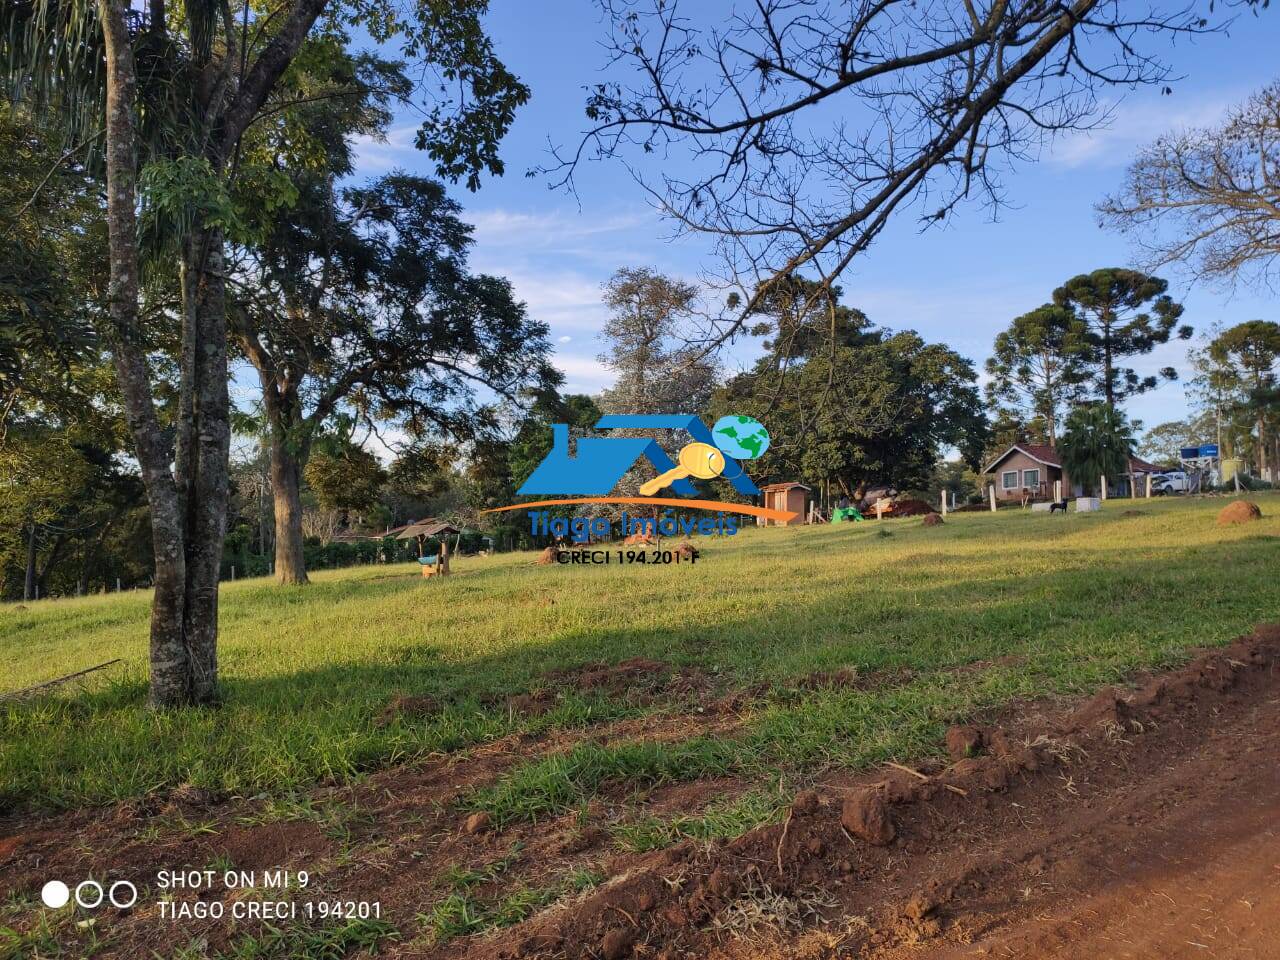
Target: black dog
[(1058, 505)]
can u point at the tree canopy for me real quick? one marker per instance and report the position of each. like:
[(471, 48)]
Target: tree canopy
[(1205, 199), (875, 407), (1125, 313), (1039, 365), (160, 100), (1246, 357)]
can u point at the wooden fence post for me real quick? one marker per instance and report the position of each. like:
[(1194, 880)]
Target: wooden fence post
[(944, 503), (1104, 486), (1148, 486), (991, 489)]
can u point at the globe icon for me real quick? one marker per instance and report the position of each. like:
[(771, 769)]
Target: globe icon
[(743, 438)]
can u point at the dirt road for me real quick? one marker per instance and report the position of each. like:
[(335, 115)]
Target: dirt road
[(1179, 859)]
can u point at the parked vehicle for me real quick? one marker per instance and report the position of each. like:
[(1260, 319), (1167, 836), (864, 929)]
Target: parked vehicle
[(1175, 481)]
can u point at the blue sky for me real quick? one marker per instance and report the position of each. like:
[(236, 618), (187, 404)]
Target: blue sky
[(960, 284)]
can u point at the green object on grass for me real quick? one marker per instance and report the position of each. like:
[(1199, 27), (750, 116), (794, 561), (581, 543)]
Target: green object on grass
[(846, 513)]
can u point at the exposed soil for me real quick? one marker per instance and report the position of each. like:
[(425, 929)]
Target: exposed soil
[(1057, 840), (1136, 824), (636, 679)]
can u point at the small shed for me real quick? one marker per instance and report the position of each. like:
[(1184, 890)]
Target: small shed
[(791, 497)]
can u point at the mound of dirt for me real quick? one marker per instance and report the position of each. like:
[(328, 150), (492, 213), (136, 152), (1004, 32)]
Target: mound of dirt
[(866, 816), (932, 520), (548, 555), (687, 551), (1242, 511), (1133, 513), (638, 681)]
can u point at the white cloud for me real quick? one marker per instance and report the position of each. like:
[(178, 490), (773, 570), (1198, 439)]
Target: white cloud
[(565, 339), (374, 155), (565, 299), (549, 229), (1136, 122), (583, 374)]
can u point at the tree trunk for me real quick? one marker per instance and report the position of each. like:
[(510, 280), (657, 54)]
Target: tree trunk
[(207, 480), (55, 554), (91, 550), (170, 664), (1107, 369), (29, 581), (286, 477), (1262, 446)]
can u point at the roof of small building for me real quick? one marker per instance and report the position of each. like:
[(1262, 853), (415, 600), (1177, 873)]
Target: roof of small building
[(1138, 465), (1043, 453), (1039, 452), (773, 487), (429, 527)]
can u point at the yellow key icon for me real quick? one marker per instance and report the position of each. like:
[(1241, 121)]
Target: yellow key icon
[(700, 460)]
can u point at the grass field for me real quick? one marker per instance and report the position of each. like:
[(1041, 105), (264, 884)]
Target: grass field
[(1055, 604)]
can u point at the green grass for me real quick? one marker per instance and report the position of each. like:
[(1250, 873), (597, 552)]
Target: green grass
[(1076, 601), (463, 913), (719, 821), (308, 942)]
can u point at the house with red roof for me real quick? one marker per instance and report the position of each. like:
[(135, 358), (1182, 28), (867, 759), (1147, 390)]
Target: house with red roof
[(1028, 471)]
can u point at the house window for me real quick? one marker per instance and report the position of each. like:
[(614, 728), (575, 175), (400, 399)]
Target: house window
[(1031, 479), (1009, 480)]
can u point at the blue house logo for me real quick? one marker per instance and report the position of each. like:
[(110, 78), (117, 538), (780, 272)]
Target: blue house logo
[(600, 462)]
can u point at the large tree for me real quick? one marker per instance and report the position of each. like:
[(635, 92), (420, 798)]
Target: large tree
[(1164, 442), (1249, 354), (1038, 365), (366, 303), (654, 371), (871, 407), (799, 128), (1208, 199), (1125, 314), (171, 92)]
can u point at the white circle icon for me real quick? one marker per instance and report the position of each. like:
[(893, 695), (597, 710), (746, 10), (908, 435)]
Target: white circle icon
[(55, 894), (130, 891), (93, 884)]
